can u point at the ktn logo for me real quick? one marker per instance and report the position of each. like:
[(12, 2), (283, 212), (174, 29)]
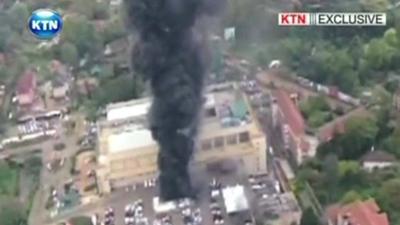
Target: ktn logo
[(45, 23)]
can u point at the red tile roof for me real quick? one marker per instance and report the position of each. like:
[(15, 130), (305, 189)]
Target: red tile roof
[(362, 213), (26, 83), (329, 132), (291, 112)]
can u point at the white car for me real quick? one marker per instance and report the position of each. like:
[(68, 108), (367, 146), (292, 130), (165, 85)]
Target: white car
[(186, 212)]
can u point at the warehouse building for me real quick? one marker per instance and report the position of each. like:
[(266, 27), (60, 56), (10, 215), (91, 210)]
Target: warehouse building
[(228, 132)]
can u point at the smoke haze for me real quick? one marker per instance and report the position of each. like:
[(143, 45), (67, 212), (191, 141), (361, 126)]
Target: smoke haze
[(170, 55)]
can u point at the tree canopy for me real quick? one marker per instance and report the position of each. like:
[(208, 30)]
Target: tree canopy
[(309, 218), (88, 41)]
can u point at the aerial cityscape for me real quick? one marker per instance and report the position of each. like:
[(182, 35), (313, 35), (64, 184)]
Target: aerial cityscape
[(198, 112)]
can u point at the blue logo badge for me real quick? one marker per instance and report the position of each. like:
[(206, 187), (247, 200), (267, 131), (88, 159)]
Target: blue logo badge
[(45, 23)]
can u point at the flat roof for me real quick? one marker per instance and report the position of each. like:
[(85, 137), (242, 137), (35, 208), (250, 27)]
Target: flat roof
[(235, 199), (129, 139), (126, 123), (124, 110)]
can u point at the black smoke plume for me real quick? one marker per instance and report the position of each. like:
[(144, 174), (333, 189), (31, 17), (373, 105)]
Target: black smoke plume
[(169, 53)]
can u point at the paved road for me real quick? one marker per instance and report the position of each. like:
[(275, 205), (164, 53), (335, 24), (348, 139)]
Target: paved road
[(51, 179)]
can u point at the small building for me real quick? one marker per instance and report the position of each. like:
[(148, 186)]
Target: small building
[(377, 160), (59, 89), (117, 53), (26, 88), (287, 116), (61, 82), (235, 199), (117, 46), (360, 212), (87, 85), (279, 209)]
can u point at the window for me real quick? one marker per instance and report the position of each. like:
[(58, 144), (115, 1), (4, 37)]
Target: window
[(206, 145), (219, 142), (244, 137), (231, 139)]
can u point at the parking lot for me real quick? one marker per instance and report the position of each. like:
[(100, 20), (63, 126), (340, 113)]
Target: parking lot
[(136, 207)]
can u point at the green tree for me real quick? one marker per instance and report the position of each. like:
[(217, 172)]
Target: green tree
[(391, 37), (33, 165), (378, 55), (294, 51), (389, 194), (350, 196), (100, 11), (358, 138), (5, 35), (318, 103), (84, 7), (88, 40), (121, 88), (348, 167), (91, 9), (375, 5), (245, 16), (115, 29), (392, 143), (330, 169), (12, 212), (330, 65), (69, 54), (18, 15), (309, 218)]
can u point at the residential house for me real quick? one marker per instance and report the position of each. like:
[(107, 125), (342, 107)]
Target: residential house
[(116, 46), (87, 85), (26, 89), (287, 115), (61, 81), (60, 89), (377, 160), (357, 213), (117, 52)]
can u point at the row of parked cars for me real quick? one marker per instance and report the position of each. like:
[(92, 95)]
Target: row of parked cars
[(109, 218), (34, 127), (134, 214)]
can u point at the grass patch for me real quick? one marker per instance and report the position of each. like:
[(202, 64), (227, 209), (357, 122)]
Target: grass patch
[(317, 111), (9, 179)]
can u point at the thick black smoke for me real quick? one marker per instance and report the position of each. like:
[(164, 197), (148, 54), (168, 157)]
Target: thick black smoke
[(170, 55)]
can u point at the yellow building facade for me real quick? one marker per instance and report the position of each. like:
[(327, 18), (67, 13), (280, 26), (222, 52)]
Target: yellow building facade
[(229, 130)]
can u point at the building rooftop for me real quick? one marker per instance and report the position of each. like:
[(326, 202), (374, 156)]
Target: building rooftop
[(290, 111), (278, 204), (125, 110), (378, 156), (133, 138), (365, 213), (235, 199), (26, 83), (125, 125)]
